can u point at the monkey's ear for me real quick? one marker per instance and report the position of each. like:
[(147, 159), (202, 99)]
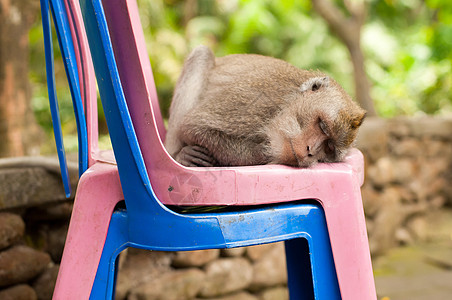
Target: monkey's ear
[(315, 83), (358, 120)]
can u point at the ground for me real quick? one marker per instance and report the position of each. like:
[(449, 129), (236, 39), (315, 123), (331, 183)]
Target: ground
[(420, 271)]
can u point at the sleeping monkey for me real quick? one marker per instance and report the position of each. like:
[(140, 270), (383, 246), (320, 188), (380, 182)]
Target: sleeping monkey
[(247, 109)]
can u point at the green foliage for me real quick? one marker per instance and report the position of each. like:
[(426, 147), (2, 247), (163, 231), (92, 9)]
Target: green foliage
[(408, 47), (407, 44), (283, 29)]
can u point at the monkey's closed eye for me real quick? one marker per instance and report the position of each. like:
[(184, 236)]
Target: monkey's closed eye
[(324, 127)]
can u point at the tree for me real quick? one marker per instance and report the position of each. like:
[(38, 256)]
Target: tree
[(348, 30), (19, 132)]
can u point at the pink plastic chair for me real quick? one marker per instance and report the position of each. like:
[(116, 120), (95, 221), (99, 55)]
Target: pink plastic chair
[(335, 186)]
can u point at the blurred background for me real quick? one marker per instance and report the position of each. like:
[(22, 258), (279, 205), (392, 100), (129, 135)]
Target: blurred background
[(405, 44), (393, 56)]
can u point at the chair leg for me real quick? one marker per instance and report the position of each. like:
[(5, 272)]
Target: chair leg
[(324, 275), (350, 243), (97, 194), (117, 240), (310, 264)]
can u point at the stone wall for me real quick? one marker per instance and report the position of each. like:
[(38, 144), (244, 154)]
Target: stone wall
[(30, 252), (31, 244), (250, 273), (34, 216), (408, 176)]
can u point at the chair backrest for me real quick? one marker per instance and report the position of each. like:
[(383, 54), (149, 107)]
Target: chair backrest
[(131, 59), (67, 48), (128, 95), (135, 71), (126, 87), (134, 179), (88, 89)]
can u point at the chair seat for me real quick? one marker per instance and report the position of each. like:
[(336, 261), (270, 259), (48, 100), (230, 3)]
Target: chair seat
[(100, 191), (254, 185)]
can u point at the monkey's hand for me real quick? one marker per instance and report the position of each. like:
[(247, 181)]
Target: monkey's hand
[(195, 156)]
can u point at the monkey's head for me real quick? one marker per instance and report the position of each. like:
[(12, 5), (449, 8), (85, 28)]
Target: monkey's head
[(319, 123)]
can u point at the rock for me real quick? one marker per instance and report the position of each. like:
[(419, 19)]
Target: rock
[(434, 127), (140, 266), (20, 264), (53, 212), (386, 222), (403, 236), (18, 292), (12, 229), (377, 172), (174, 285), (408, 147), (195, 258), (371, 200), (436, 148), (60, 211), (45, 283), (373, 138), (56, 237), (369, 225), (277, 293), (448, 192), (270, 269), (48, 236), (435, 167), (256, 252), (389, 170), (418, 227), (225, 276), (236, 296), (437, 201), (399, 127), (232, 252), (42, 187), (122, 258), (431, 180)]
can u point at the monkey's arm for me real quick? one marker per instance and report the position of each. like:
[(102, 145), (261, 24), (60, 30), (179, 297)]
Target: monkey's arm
[(195, 156), (222, 149)]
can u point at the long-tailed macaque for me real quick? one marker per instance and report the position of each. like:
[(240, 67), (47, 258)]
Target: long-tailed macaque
[(247, 109)]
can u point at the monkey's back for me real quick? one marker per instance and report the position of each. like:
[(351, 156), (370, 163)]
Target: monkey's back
[(245, 90), (247, 109)]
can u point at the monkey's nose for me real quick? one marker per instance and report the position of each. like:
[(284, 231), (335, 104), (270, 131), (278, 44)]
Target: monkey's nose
[(308, 149)]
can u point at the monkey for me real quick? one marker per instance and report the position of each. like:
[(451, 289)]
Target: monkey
[(249, 109)]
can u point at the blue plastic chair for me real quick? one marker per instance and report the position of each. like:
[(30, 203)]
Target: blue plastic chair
[(193, 232), (148, 224), (310, 263)]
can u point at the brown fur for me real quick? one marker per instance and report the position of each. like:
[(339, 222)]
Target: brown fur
[(251, 109)]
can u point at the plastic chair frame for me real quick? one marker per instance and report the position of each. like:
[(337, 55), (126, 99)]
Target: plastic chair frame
[(146, 214), (70, 63)]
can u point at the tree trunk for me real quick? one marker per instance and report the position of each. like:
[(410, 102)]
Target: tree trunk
[(362, 85), (190, 10), (19, 132), (348, 30)]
